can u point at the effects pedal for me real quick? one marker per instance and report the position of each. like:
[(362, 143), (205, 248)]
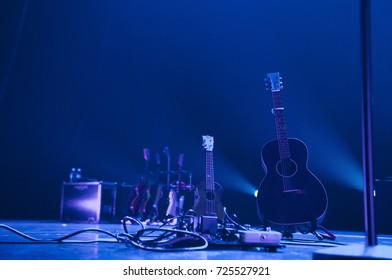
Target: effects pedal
[(257, 237)]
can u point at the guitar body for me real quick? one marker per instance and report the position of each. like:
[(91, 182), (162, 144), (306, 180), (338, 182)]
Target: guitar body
[(152, 205), (208, 202), (139, 202), (163, 202), (293, 196)]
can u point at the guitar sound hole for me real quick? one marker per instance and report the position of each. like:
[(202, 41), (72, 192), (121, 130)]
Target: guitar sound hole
[(210, 196), (286, 167)]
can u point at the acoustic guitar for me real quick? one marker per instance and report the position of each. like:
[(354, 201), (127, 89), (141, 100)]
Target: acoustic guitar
[(208, 206), (290, 196)]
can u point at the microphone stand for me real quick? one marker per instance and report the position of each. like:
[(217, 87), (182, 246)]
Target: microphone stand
[(370, 250)]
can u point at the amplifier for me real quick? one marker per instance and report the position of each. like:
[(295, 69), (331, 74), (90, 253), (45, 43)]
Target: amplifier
[(89, 202)]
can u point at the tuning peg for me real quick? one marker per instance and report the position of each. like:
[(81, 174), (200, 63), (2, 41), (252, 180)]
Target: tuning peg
[(267, 85)]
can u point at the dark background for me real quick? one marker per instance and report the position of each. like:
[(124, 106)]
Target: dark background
[(89, 84)]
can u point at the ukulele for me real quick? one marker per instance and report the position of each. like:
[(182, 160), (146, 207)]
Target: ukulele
[(208, 206), (142, 190), (290, 195)]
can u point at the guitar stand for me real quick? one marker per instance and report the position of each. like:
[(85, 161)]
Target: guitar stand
[(289, 234), (320, 236), (328, 235)]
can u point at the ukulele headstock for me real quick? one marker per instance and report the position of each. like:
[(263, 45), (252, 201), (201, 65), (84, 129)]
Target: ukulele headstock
[(208, 142)]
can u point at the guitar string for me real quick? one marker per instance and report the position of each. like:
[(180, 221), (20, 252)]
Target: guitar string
[(285, 157), (212, 189), (277, 104), (208, 181), (284, 152), (210, 206)]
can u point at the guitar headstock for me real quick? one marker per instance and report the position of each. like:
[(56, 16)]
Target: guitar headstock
[(180, 159), (146, 154), (273, 82), (166, 152), (208, 142)]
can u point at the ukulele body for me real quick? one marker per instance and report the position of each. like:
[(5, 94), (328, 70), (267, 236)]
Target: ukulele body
[(208, 202)]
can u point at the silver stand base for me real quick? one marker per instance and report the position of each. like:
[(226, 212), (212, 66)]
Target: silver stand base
[(355, 252)]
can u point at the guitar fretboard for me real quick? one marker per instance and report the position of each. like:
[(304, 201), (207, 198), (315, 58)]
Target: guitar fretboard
[(210, 185), (283, 144), (278, 110)]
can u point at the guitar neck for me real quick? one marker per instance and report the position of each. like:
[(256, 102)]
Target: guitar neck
[(280, 123), (180, 161), (167, 153), (146, 171), (146, 155)]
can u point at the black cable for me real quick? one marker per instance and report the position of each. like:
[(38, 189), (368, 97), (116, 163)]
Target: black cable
[(180, 238), (61, 239), (18, 232), (57, 240), (169, 240), (130, 219), (308, 242), (232, 221)]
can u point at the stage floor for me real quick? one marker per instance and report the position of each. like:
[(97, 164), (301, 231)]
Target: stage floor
[(97, 245)]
